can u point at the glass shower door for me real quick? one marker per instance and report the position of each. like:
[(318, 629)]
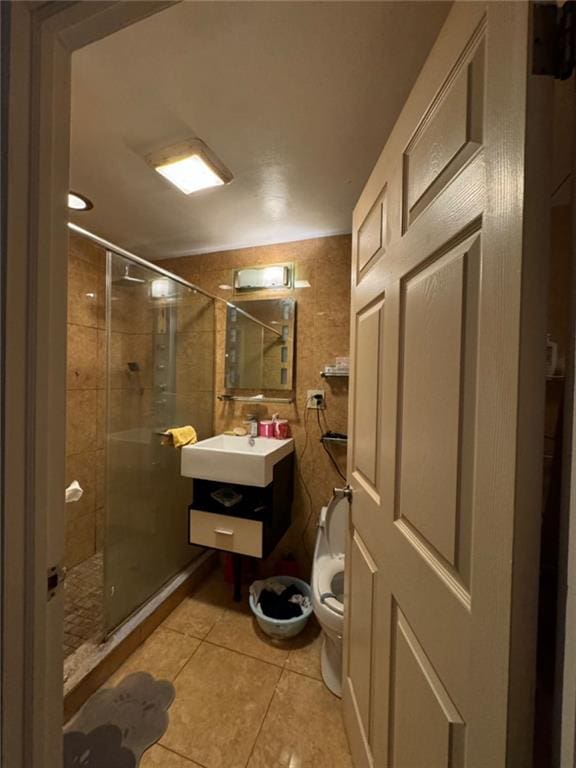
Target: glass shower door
[(160, 375)]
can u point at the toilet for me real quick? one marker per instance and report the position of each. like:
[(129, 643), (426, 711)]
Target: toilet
[(328, 587)]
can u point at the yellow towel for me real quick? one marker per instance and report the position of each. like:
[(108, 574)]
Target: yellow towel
[(182, 436)]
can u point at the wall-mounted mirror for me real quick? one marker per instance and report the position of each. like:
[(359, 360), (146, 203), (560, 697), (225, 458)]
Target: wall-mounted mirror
[(259, 357)]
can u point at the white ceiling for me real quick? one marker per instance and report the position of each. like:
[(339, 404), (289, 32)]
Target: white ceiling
[(296, 98)]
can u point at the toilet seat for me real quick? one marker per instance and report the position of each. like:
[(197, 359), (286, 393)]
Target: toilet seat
[(328, 587), (328, 569)]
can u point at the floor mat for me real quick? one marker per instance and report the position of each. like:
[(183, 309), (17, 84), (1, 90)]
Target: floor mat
[(116, 725)]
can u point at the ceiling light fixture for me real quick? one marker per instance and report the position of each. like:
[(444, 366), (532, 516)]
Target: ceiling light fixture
[(77, 202), (190, 166)]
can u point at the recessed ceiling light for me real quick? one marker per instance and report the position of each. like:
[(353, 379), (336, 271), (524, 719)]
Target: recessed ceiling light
[(190, 166), (77, 202)]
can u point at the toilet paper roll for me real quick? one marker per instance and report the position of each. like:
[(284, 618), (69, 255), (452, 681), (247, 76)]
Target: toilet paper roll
[(74, 492)]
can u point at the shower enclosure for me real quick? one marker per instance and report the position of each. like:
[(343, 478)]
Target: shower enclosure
[(156, 368), (161, 361)]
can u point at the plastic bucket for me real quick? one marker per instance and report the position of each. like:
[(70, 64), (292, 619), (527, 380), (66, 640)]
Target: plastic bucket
[(284, 628)]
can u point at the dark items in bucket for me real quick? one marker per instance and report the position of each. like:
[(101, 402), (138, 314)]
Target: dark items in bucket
[(280, 606), (281, 629)]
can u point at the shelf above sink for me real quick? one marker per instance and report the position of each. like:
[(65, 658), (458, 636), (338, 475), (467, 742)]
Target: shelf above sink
[(230, 459)]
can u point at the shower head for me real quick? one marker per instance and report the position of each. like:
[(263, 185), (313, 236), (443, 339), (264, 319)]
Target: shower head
[(127, 278)]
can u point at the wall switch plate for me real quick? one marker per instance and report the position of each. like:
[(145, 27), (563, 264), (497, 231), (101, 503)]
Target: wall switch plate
[(313, 403)]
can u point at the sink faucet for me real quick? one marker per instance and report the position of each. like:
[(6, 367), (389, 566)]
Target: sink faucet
[(252, 421)]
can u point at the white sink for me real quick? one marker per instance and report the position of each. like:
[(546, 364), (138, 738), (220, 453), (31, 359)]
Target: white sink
[(230, 459)]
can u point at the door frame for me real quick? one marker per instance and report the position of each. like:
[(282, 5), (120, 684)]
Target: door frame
[(40, 38), (565, 695)]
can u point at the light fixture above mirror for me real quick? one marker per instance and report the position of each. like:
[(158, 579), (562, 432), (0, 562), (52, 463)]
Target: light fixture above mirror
[(270, 277)]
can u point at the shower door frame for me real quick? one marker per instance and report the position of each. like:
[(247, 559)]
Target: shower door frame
[(40, 37), (114, 251)]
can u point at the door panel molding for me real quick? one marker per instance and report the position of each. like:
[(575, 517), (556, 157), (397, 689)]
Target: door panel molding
[(373, 234), (368, 353), (453, 528), (429, 373), (419, 695), (461, 22), (463, 204), (454, 402), (438, 567), (449, 134), (362, 586)]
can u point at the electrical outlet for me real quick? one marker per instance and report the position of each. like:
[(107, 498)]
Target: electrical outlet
[(316, 399)]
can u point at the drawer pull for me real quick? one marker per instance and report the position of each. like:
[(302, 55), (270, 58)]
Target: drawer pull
[(224, 531)]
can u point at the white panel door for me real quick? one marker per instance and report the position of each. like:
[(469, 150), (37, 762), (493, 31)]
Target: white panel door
[(446, 411)]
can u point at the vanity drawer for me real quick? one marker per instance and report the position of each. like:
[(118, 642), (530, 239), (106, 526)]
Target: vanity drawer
[(233, 534)]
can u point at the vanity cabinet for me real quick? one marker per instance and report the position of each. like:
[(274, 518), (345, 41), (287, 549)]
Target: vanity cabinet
[(254, 525)]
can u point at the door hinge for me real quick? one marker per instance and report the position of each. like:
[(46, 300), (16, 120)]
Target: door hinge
[(55, 578), (554, 39)]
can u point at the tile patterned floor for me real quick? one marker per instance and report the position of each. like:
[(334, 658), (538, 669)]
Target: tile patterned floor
[(83, 604), (242, 701)]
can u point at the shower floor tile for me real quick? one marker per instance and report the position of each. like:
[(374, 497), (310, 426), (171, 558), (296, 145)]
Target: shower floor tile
[(84, 604)]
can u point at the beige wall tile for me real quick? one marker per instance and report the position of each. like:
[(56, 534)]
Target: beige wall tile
[(86, 250), (80, 538), (195, 362), (82, 357), (195, 314), (128, 409), (100, 461), (82, 467), (102, 359), (82, 415), (135, 348), (101, 418), (132, 309), (196, 409), (86, 293)]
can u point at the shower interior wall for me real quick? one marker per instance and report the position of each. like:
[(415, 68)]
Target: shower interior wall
[(107, 396)]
